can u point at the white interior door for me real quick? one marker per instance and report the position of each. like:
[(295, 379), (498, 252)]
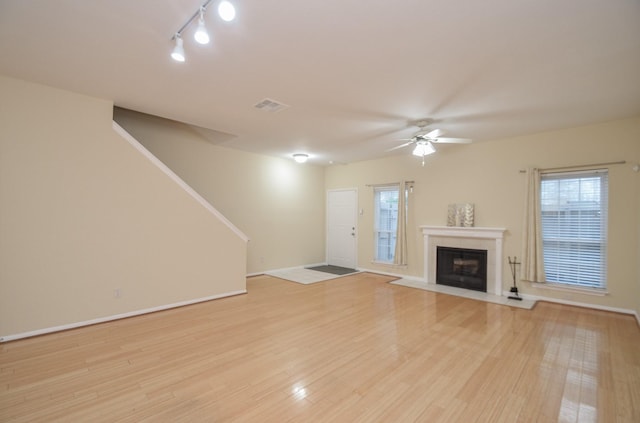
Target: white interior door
[(342, 235)]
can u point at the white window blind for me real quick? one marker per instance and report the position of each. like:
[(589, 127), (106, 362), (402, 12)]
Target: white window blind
[(385, 222), (574, 227)]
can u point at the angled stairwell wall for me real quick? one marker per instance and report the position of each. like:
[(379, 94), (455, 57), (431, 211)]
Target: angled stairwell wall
[(92, 228)]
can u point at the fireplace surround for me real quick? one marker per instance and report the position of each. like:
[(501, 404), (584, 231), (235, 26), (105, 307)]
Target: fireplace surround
[(477, 238)]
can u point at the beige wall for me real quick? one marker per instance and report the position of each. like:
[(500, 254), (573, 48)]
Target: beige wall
[(637, 297), (278, 203), (487, 174), (83, 213)]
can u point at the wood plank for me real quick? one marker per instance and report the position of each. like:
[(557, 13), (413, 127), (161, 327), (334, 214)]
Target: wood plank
[(350, 349)]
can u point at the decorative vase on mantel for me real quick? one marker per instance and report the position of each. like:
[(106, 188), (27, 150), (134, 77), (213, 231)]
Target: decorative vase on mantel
[(460, 215)]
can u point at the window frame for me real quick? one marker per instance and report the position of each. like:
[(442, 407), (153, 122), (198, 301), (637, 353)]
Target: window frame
[(580, 230)]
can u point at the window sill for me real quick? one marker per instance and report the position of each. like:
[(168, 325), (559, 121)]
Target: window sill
[(566, 288), (388, 264)]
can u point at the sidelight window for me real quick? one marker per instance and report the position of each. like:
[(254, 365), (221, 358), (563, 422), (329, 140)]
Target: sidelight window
[(385, 222)]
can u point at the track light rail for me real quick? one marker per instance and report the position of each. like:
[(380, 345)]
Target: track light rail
[(202, 8), (227, 12)]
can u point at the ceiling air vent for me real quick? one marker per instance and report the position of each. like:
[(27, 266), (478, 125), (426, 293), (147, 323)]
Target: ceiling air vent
[(269, 105)]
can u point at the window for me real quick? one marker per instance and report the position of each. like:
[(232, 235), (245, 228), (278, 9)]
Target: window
[(385, 222), (574, 227)]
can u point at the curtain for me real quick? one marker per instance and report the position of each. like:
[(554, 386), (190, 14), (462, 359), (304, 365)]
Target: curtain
[(400, 254), (532, 258)]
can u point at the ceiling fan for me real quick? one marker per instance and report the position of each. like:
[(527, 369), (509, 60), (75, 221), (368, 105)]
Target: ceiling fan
[(425, 139)]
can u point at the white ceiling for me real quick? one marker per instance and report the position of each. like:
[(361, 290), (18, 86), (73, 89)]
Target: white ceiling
[(354, 72)]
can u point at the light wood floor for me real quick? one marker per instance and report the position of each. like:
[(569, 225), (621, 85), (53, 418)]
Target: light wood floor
[(354, 349)]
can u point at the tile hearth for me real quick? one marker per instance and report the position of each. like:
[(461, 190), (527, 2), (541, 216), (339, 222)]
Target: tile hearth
[(466, 293)]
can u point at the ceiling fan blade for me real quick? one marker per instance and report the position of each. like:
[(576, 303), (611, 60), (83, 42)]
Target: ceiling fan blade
[(400, 146), (453, 140), (434, 134)]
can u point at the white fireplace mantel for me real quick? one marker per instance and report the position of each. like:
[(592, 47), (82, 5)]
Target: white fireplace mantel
[(491, 236)]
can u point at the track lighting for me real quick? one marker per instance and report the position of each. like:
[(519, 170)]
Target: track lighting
[(227, 12), (178, 51), (300, 157), (201, 36)]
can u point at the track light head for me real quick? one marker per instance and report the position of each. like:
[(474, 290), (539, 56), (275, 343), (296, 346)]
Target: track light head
[(178, 51), (201, 36), (226, 11)]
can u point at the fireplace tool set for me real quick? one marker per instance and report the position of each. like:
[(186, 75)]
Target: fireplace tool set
[(514, 289)]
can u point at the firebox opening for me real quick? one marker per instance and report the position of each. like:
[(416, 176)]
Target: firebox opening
[(462, 268)]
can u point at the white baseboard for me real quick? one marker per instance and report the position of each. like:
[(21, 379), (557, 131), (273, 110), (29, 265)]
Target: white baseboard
[(578, 304), (6, 338), (581, 304), (526, 296)]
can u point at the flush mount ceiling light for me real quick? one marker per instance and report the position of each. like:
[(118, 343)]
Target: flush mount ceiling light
[(227, 12), (300, 157)]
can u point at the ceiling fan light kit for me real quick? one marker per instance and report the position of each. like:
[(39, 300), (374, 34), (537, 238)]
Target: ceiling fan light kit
[(423, 148), (226, 11), (424, 139)]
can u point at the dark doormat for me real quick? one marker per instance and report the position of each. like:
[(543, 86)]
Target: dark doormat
[(336, 270)]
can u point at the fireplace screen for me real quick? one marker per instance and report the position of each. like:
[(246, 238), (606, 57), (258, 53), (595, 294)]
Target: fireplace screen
[(462, 268)]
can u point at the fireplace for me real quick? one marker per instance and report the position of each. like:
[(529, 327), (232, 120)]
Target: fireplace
[(477, 238), (462, 268)]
